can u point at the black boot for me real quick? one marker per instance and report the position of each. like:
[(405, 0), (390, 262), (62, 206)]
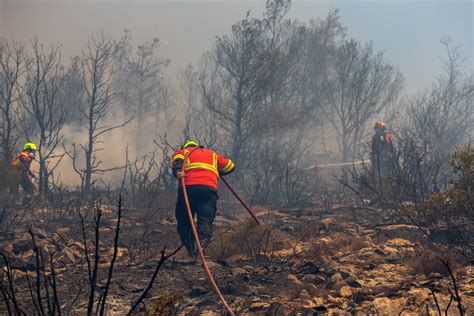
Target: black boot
[(192, 250)]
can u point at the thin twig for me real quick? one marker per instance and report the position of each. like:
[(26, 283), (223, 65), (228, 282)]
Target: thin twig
[(436, 301), (38, 275), (163, 258), (449, 304), (46, 287), (90, 304), (32, 295), (54, 286), (12, 293), (75, 299), (114, 257), (6, 299), (457, 297), (86, 250)]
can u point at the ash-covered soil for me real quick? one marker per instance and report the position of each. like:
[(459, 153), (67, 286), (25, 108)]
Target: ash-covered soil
[(300, 261)]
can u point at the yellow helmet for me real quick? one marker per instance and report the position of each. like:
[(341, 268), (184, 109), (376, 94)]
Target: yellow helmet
[(30, 146), (190, 143), (380, 124)]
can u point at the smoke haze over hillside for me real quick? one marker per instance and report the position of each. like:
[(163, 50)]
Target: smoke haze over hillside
[(409, 31)]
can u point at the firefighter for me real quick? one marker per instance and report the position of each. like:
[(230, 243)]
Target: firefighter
[(383, 154), (202, 170), (22, 165)]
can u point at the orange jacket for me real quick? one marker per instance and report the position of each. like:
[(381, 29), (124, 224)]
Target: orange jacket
[(202, 167), (22, 163)]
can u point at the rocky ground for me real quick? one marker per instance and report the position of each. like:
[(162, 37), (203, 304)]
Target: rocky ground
[(301, 261)]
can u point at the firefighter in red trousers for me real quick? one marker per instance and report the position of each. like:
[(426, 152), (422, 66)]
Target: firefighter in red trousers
[(202, 170), (22, 165)]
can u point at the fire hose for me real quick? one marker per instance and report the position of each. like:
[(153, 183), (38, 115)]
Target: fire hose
[(241, 201), (196, 237)]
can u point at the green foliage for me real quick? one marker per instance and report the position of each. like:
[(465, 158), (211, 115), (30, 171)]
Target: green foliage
[(452, 210), (456, 201), (463, 165)]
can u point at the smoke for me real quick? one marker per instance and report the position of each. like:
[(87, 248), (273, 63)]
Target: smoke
[(112, 148)]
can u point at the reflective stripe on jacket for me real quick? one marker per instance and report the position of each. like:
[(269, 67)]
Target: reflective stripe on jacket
[(22, 162), (202, 167)]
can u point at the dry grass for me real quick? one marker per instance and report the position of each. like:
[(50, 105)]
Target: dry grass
[(310, 231), (163, 305), (247, 239), (331, 245), (427, 262)]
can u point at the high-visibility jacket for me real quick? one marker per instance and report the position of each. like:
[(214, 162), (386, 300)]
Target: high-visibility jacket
[(202, 167), (382, 147), (22, 163)]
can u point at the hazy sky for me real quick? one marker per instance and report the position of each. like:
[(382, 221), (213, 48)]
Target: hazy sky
[(408, 31)]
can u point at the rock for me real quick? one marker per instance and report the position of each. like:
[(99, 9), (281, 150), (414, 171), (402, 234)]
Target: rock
[(40, 234), (386, 306), (289, 252), (318, 301), (379, 252), (319, 279), (399, 242), (309, 268), (370, 266), (347, 271), (421, 294), (22, 246), (233, 290), (390, 250), (293, 278), (410, 232), (320, 309), (259, 305), (345, 291), (212, 265), (304, 295), (330, 223), (335, 300), (131, 289), (336, 277), (308, 304), (237, 271), (69, 255), (275, 309), (384, 290), (198, 291), (351, 281), (208, 313), (370, 283), (359, 297), (206, 302), (313, 279)]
